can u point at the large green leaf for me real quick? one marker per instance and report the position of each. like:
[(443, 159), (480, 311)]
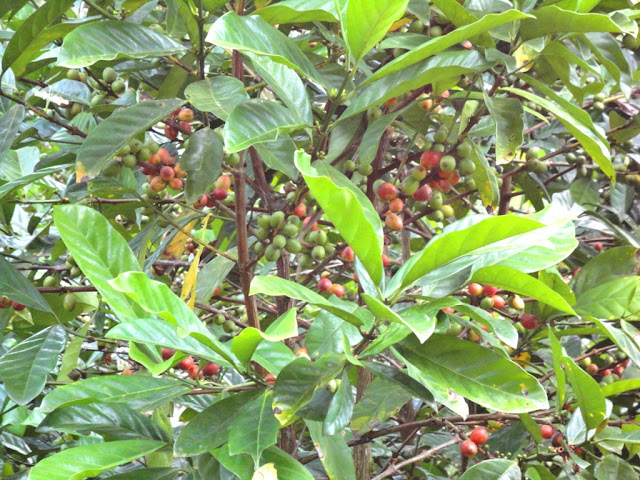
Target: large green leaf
[(202, 160), (245, 343), (475, 372), (612, 466), (279, 155), (502, 327), (219, 95), (587, 392), (507, 114), (210, 428), (149, 473), (113, 419), (297, 382), (625, 342), (361, 36), (25, 367), (15, 286), (212, 275), (10, 187), (485, 178), (518, 282), (561, 376), (157, 298), (336, 457), (89, 460), (253, 34), (108, 40), (100, 252), (116, 131), (614, 299), (140, 392), (494, 469), (438, 44), (420, 324), (381, 400), (255, 429), (279, 286), (326, 333), (340, 408), (298, 11), (258, 121), (608, 265), (398, 377), (348, 209), (9, 124)]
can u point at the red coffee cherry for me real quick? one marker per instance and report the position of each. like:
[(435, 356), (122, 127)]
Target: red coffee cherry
[(479, 435), (468, 448), (529, 321), (546, 431), (324, 284)]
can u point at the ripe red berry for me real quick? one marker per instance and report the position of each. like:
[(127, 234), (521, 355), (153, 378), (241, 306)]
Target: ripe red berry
[(597, 246), (423, 194), (301, 352), (385, 260), (430, 159), (606, 372), (479, 435), (18, 307), (219, 194), (387, 191), (467, 44), (176, 184), (443, 95), (167, 173), (167, 353), (468, 448), (324, 284), (391, 102), (314, 227), (194, 371), (186, 364), (475, 289), (498, 301), (447, 310), (347, 255), (270, 379), (337, 289), (592, 369), (127, 371), (210, 369), (170, 132), (224, 182), (300, 211), (618, 370), (217, 291), (546, 431), (529, 321), (489, 291), (186, 128)]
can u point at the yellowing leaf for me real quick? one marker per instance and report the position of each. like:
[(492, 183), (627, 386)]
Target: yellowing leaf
[(176, 246), (399, 24), (524, 55), (188, 294), (266, 472)]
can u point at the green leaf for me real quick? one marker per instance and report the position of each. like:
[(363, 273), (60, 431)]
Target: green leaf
[(608, 52), (608, 265), (348, 209), (210, 428), (109, 40), (625, 342), (398, 377), (245, 343), (485, 178), (25, 367), (117, 130), (100, 252), (612, 300), (258, 121), (326, 333), (507, 114), (288, 467), (89, 460), (8, 5), (551, 19), (494, 469), (15, 286), (72, 353), (370, 143), (278, 286), (438, 44), (381, 400), (115, 419), (212, 275), (477, 373), (420, 324), (159, 473), (157, 298), (561, 376), (278, 155), (361, 36), (620, 386), (297, 382), (253, 34), (299, 11), (612, 466), (10, 122), (631, 438), (219, 95), (140, 392), (503, 328), (518, 282), (202, 160), (335, 454), (255, 428), (587, 392), (340, 408), (29, 30)]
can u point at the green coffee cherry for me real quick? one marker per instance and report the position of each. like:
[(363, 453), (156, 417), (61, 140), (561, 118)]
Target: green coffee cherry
[(293, 246), (447, 163), (264, 221), (276, 219), (290, 230), (50, 281), (318, 253), (279, 241), (73, 74), (272, 253), (262, 233), (109, 75), (129, 161), (447, 211), (219, 319), (436, 200), (69, 302), (466, 166), (228, 326)]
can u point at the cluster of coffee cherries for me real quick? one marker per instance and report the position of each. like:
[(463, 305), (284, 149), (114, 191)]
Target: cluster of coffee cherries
[(162, 172), (490, 299), (220, 191), (189, 365), (477, 437), (278, 232), (326, 285), (111, 81), (6, 302), (609, 367), (179, 121), (227, 325)]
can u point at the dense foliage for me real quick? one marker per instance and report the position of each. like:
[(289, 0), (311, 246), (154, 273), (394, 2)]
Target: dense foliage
[(350, 239)]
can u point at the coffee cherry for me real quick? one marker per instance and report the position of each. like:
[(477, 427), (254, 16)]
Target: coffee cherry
[(409, 186), (425, 104), (18, 307), (270, 379), (393, 221), (347, 255), (186, 128), (557, 439), (279, 241), (489, 291), (430, 159), (447, 164), (517, 303), (475, 289), (293, 246), (468, 448), (447, 211), (396, 205), (185, 115), (73, 74), (276, 219), (167, 353), (127, 371), (118, 86), (170, 132), (69, 302), (466, 166), (109, 75), (592, 369), (318, 253), (158, 184), (167, 173), (423, 194), (211, 369), (290, 230), (300, 211), (385, 260), (498, 301), (387, 191), (324, 284), (597, 246), (337, 290), (529, 321), (219, 194), (479, 435), (272, 253), (176, 184), (546, 431), (373, 114), (487, 303), (229, 326), (187, 363), (194, 372), (391, 102)]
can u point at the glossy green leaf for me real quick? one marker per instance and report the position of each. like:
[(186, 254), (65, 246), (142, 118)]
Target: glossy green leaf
[(89, 460), (381, 400), (157, 298), (326, 333), (273, 357), (212, 275), (100, 252), (149, 473), (587, 392), (278, 286), (438, 44), (561, 376), (140, 392), (518, 282), (627, 343), (210, 428), (15, 286), (502, 327), (420, 324), (258, 121), (348, 209), (475, 372), (493, 469), (9, 5), (241, 466), (340, 408), (298, 11), (297, 382), (485, 178), (24, 368), (202, 160), (72, 353), (10, 122), (612, 466), (245, 343), (255, 429), (253, 34), (109, 40), (336, 456), (279, 154), (117, 130), (370, 143), (608, 265), (507, 114), (631, 437), (114, 419), (362, 36), (398, 377), (611, 300), (288, 467), (219, 95)]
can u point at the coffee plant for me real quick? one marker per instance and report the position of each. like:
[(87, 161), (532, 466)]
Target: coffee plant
[(319, 239)]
